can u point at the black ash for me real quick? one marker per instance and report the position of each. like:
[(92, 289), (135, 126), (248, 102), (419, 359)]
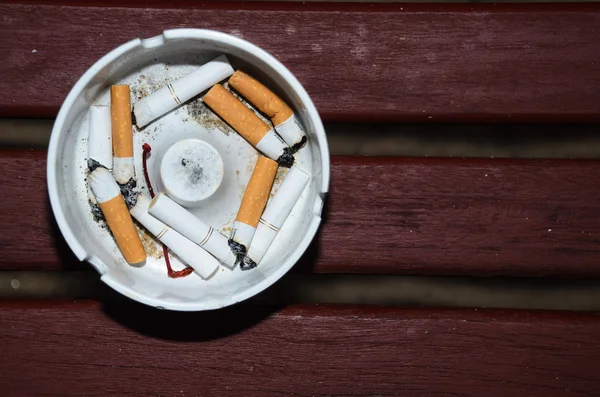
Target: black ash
[(96, 212), (247, 264), (300, 144), (236, 248), (287, 158), (129, 192), (93, 164)]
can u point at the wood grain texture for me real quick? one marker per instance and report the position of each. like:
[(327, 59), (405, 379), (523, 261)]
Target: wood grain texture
[(389, 215), (88, 349), (389, 62)]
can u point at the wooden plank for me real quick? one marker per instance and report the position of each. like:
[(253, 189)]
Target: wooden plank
[(89, 349), (389, 215), (358, 62)]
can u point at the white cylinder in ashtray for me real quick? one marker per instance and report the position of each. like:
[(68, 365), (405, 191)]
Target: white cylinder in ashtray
[(201, 261), (100, 136), (186, 223), (275, 214), (180, 91), (191, 170)]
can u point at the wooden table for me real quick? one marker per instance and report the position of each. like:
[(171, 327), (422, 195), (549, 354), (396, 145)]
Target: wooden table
[(389, 63)]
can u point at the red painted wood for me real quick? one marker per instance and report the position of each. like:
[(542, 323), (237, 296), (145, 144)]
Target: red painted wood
[(389, 215), (90, 349), (375, 62)]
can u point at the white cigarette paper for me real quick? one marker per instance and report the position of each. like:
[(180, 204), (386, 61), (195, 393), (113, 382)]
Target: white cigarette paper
[(100, 136), (186, 223), (269, 103), (111, 202), (202, 262), (277, 211), (291, 132), (180, 91)]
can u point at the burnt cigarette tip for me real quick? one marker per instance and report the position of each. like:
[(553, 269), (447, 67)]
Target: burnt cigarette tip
[(236, 248), (300, 144), (129, 192), (287, 158), (93, 164), (247, 264)]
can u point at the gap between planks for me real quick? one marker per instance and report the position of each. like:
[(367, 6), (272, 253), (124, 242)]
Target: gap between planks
[(577, 141), (389, 290)]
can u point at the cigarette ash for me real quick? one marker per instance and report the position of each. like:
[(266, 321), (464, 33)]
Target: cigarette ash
[(279, 177), (97, 214), (151, 245), (247, 263), (300, 144), (201, 114), (129, 192), (142, 87), (238, 249), (287, 158), (193, 170), (92, 165)]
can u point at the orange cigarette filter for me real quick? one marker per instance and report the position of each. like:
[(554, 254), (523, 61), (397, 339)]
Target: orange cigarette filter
[(119, 221), (117, 215), (260, 96), (236, 114), (120, 109), (257, 192)]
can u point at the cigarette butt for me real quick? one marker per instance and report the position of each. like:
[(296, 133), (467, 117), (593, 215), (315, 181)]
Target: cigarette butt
[(100, 136), (248, 124), (117, 215), (181, 90), (260, 96), (122, 134), (236, 114), (276, 212), (266, 101), (202, 262), (181, 220), (253, 203), (257, 192)]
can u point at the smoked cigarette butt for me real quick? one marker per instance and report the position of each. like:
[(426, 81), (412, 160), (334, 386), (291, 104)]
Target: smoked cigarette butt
[(117, 215), (276, 212), (122, 134), (236, 114), (257, 192), (260, 96), (120, 109), (181, 90), (203, 263), (266, 101), (253, 203), (248, 125), (100, 136), (187, 224)]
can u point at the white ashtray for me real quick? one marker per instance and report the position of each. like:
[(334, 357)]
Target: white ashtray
[(147, 65)]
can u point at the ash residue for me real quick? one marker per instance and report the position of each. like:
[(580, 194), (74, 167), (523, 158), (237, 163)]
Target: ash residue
[(300, 144), (93, 164), (236, 248), (96, 212), (195, 173), (201, 114), (247, 264), (287, 158), (129, 192)]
